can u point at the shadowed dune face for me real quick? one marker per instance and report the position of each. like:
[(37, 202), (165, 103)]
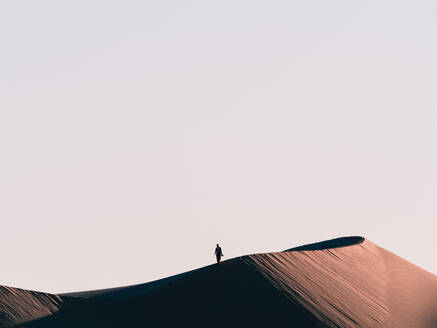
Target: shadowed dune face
[(333, 243), (231, 294), (355, 284)]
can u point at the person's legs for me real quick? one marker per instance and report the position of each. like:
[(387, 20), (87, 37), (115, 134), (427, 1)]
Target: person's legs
[(218, 258)]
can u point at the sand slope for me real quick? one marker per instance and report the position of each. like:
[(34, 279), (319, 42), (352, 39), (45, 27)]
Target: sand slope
[(19, 305), (346, 282), (357, 286)]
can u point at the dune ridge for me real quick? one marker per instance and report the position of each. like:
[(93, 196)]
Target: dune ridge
[(344, 282)]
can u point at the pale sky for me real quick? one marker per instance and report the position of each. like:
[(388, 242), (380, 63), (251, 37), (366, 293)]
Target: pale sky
[(135, 135)]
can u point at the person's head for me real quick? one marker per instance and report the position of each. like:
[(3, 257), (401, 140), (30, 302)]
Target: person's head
[(217, 245)]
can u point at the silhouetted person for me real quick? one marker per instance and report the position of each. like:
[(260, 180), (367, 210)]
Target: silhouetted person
[(218, 253)]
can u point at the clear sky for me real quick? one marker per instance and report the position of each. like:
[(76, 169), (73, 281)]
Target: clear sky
[(135, 135)]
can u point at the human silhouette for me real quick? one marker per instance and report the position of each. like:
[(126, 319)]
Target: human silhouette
[(218, 253)]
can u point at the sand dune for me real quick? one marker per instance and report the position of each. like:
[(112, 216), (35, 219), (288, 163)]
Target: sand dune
[(19, 305), (346, 282)]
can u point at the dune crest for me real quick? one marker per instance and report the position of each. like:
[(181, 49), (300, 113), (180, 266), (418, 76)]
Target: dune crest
[(344, 282)]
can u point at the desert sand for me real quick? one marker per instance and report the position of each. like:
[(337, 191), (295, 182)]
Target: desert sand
[(345, 282)]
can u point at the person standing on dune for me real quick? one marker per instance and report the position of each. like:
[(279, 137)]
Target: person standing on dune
[(218, 253)]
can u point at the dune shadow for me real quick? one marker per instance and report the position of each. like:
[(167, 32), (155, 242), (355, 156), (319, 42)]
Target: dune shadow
[(327, 244), (227, 295)]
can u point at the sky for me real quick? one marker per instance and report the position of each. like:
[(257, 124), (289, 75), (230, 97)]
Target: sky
[(135, 135)]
